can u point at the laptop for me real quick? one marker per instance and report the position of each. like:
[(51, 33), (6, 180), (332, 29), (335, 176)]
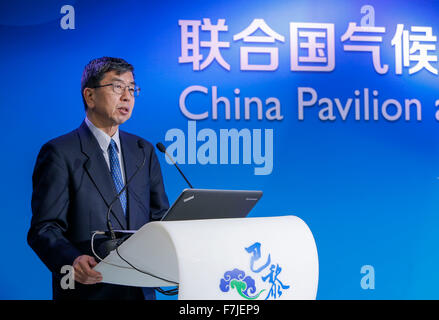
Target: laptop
[(194, 204)]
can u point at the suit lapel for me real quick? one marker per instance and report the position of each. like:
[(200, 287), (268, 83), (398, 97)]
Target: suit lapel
[(97, 169)]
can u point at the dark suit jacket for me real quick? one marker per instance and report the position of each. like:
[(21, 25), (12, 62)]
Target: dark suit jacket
[(72, 188)]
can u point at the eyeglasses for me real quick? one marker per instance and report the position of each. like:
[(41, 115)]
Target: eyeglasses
[(119, 88)]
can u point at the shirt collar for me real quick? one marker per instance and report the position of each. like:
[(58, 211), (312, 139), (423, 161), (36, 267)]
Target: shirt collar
[(103, 138)]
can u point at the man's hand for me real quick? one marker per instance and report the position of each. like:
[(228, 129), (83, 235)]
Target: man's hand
[(83, 270)]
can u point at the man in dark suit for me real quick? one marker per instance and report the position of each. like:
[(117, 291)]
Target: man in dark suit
[(77, 175)]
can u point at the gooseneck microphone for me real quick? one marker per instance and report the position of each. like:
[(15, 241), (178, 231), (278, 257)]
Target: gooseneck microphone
[(162, 149), (141, 145), (114, 243)]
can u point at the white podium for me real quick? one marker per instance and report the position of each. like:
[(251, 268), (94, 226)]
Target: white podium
[(246, 258)]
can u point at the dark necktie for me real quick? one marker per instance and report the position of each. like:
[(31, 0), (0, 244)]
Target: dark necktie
[(116, 173)]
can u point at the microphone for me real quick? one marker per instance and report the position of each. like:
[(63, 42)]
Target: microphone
[(162, 149), (109, 245), (141, 145), (114, 243)]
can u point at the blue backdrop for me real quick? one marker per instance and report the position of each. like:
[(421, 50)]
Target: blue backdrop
[(366, 185)]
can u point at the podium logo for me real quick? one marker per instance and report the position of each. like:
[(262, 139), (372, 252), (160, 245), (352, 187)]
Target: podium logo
[(268, 273), (245, 286)]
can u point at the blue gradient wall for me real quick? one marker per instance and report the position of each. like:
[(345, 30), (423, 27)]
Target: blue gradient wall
[(366, 188)]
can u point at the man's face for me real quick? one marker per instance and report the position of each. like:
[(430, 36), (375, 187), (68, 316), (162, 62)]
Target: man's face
[(108, 107)]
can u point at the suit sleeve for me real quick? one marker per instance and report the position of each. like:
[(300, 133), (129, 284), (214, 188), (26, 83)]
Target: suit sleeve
[(159, 201), (50, 203)]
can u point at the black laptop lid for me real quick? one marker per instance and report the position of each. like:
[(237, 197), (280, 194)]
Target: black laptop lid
[(194, 204)]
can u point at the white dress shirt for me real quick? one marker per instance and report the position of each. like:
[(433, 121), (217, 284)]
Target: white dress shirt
[(104, 142)]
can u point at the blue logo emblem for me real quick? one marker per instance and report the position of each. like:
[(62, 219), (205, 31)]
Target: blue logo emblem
[(236, 279)]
